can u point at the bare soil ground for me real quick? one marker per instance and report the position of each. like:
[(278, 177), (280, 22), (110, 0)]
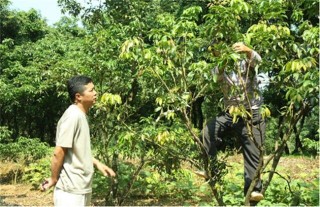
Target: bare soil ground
[(22, 194)]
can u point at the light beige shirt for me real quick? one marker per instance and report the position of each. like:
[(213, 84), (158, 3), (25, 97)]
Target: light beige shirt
[(77, 170)]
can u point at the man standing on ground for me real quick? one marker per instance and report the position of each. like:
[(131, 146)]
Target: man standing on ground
[(72, 162), (243, 79)]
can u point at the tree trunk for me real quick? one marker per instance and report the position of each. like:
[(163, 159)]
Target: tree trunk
[(298, 143), (197, 115), (281, 134)]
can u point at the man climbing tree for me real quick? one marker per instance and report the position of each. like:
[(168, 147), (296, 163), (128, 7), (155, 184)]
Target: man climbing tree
[(239, 87)]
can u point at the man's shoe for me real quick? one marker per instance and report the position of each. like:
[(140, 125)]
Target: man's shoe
[(256, 196), (202, 173)]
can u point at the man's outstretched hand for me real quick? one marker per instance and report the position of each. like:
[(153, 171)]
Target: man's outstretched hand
[(105, 170)]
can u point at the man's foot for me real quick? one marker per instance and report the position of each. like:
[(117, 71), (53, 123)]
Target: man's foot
[(256, 196), (202, 173)]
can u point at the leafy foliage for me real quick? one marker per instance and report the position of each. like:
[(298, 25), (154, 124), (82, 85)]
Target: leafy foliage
[(25, 149), (151, 62), (37, 172)]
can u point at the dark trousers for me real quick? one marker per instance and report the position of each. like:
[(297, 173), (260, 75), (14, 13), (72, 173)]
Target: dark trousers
[(217, 130)]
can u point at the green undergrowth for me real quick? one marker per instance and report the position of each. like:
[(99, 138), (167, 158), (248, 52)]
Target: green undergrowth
[(183, 187), (295, 183)]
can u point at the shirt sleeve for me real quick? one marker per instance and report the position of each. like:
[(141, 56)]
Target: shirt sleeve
[(255, 59), (216, 72), (66, 131)]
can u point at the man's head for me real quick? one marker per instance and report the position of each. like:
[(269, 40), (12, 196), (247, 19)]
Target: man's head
[(81, 90)]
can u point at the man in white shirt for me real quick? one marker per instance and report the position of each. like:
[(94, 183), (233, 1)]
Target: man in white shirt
[(72, 162)]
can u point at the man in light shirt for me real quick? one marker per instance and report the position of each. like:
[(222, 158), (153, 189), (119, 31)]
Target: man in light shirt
[(72, 163)]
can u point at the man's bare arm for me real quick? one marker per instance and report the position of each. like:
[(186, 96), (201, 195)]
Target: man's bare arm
[(56, 166), (105, 170)]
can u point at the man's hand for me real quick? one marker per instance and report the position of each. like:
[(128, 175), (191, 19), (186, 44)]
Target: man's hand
[(105, 170), (240, 47), (48, 183)]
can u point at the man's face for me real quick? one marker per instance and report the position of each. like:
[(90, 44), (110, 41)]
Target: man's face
[(89, 96)]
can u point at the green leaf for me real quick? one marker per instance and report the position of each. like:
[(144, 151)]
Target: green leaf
[(235, 56)]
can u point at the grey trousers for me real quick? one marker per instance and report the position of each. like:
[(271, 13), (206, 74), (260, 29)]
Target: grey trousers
[(218, 129)]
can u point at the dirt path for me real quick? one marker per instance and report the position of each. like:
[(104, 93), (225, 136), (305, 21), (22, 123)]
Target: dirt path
[(23, 195)]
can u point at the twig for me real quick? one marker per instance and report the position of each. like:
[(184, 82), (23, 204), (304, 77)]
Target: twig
[(288, 181)]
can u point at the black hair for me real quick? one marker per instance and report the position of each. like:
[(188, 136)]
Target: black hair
[(76, 85)]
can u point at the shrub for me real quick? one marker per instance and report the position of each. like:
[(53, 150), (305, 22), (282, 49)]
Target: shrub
[(299, 192), (5, 135), (10, 172), (24, 149), (24, 158), (36, 172)]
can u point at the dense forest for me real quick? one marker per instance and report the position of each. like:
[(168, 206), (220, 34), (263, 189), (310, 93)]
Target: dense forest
[(151, 63)]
